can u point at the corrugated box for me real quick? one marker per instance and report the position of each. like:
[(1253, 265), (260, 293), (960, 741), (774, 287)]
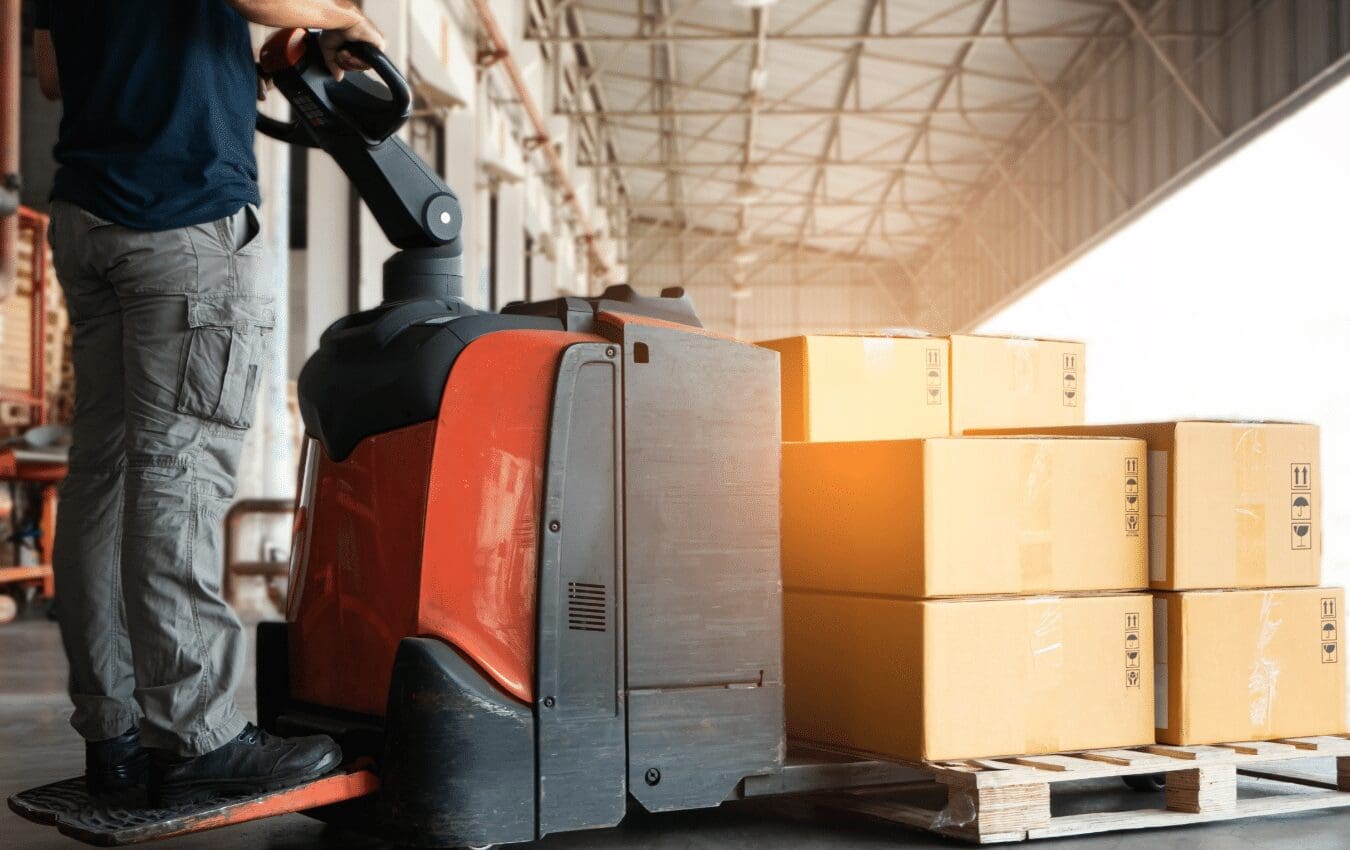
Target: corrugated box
[(957, 516), (1248, 665), (1008, 382), (862, 387), (968, 678), (1232, 504)]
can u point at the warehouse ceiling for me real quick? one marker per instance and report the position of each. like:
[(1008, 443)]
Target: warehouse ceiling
[(970, 145), (858, 126)]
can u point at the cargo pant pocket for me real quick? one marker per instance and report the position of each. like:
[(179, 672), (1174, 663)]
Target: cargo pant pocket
[(227, 345)]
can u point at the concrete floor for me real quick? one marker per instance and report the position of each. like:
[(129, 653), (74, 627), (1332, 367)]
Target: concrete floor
[(37, 746)]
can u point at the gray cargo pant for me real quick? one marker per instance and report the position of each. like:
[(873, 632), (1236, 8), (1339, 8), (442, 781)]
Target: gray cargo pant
[(170, 334)]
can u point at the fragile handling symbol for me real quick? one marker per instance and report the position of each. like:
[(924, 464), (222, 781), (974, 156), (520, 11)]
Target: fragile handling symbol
[(1300, 536)]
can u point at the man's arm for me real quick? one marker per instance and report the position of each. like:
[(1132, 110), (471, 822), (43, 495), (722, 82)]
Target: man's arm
[(44, 56), (44, 52), (340, 20)]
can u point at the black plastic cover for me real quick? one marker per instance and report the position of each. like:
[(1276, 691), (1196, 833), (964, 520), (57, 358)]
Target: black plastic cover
[(386, 368), (459, 765)]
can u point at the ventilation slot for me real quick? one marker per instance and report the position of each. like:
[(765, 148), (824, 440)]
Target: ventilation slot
[(586, 607)]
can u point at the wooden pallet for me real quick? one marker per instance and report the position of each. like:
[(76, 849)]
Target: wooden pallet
[(1008, 799)]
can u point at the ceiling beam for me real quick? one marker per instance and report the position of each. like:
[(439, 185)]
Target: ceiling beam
[(795, 112), (846, 86), (925, 168), (953, 71), (849, 38)]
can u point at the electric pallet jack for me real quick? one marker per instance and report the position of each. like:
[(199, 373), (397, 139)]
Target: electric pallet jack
[(535, 572)]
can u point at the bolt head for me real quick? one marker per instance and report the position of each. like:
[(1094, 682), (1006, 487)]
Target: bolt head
[(653, 776)]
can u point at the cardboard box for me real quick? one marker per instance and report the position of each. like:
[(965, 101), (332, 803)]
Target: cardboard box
[(957, 516), (862, 387), (1006, 382), (968, 678), (1231, 504), (1248, 665)]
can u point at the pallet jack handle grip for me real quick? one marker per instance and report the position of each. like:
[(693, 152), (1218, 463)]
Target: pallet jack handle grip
[(398, 109), (375, 110)]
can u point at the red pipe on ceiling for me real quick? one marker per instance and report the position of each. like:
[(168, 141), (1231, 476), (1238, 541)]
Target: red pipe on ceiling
[(502, 54)]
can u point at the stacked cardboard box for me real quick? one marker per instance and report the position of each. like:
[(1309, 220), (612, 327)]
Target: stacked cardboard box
[(878, 387), (838, 388), (1248, 647), (937, 587)]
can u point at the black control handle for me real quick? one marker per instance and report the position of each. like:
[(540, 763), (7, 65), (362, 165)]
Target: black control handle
[(400, 90), (375, 109)]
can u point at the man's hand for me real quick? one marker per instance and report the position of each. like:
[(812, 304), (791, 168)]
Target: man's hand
[(44, 57), (340, 20), (339, 60)]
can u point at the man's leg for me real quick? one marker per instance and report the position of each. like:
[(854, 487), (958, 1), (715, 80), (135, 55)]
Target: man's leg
[(88, 538), (195, 326)]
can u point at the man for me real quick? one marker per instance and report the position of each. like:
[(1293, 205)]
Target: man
[(157, 245)]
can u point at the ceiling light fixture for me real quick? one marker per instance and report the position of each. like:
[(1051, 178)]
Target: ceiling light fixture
[(747, 189)]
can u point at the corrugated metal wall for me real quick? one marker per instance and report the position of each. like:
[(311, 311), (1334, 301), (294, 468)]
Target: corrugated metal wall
[(1138, 135)]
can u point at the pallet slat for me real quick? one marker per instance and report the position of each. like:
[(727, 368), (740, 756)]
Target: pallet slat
[(1196, 753), (1331, 745), (1130, 758), (1260, 748), (1056, 763)]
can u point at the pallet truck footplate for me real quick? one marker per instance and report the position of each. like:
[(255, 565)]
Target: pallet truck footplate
[(128, 820)]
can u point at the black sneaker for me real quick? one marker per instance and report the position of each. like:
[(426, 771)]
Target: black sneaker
[(116, 765), (254, 762)]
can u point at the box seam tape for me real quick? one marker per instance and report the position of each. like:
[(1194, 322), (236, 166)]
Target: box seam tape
[(1264, 679), (1045, 675), (1035, 541), (1249, 516)]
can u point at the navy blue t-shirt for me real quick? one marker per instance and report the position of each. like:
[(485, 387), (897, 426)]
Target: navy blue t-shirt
[(159, 99)]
